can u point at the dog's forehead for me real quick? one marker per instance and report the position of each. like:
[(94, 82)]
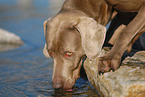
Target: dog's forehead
[(62, 35), (58, 23)]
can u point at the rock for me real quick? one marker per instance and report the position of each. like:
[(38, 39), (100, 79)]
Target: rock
[(8, 37), (9, 40), (127, 81)]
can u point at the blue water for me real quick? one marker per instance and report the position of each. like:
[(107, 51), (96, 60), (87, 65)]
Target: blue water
[(24, 71)]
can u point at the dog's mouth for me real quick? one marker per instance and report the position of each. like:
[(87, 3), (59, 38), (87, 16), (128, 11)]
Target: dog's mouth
[(60, 90), (68, 85)]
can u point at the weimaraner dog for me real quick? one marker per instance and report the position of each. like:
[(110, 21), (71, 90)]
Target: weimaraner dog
[(79, 30)]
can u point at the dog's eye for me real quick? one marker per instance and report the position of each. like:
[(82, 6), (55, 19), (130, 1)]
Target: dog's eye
[(68, 54)]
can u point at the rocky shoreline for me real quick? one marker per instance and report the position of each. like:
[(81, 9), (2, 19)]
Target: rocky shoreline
[(127, 81)]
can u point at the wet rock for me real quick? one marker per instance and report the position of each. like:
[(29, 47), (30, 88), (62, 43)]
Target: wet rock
[(127, 81), (9, 40)]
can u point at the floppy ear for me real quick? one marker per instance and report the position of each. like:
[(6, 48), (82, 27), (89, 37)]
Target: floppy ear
[(92, 36), (45, 52)]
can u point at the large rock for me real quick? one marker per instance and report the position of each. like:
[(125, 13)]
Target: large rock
[(9, 40), (127, 81), (8, 37)]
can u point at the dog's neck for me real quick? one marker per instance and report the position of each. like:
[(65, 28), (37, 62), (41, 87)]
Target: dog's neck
[(104, 14), (96, 9)]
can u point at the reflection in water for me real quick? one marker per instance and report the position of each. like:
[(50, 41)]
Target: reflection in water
[(25, 71), (5, 47)]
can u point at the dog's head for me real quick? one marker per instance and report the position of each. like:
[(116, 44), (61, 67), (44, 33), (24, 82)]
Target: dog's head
[(69, 37)]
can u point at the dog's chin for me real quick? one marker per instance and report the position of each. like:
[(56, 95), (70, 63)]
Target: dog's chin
[(68, 85)]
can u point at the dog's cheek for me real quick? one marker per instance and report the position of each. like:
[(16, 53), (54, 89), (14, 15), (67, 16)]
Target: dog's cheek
[(76, 73)]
